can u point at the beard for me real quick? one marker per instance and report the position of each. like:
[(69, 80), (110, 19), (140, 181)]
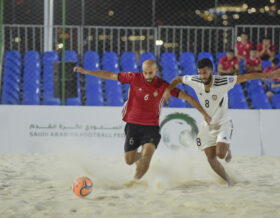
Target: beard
[(208, 81), (150, 80)]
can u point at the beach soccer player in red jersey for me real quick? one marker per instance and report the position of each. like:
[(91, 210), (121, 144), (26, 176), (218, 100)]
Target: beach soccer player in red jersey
[(142, 110)]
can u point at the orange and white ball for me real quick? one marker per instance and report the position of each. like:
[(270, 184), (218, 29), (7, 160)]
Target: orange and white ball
[(82, 186)]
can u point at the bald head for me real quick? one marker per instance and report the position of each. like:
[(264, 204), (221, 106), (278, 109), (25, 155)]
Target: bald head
[(149, 70), (149, 63)]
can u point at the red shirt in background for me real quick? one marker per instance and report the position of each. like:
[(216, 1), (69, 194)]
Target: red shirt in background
[(244, 49), (228, 64), (260, 47), (271, 69), (144, 100), (253, 63)]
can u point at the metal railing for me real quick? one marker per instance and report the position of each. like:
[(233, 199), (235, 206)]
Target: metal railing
[(23, 37), (119, 39), (257, 32), (137, 39), (195, 39)]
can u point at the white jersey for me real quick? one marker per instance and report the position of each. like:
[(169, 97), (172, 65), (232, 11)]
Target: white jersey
[(214, 102)]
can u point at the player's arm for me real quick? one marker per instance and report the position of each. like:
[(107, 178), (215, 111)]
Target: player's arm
[(98, 73), (194, 103), (252, 76), (172, 85)]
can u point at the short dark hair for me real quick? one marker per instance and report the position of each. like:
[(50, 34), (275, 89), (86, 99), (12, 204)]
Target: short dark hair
[(243, 33), (275, 61), (267, 38), (230, 50), (205, 62)]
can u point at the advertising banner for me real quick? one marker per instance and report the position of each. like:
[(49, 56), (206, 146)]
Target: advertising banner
[(101, 130)]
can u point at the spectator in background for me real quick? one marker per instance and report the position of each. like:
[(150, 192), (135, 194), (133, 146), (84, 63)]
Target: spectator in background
[(228, 64), (266, 51), (242, 48), (253, 64), (272, 86)]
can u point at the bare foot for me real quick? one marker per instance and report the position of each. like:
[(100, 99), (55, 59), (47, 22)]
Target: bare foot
[(134, 182), (228, 157), (230, 183)]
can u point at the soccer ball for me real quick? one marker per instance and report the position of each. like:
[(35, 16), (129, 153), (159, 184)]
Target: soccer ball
[(82, 186)]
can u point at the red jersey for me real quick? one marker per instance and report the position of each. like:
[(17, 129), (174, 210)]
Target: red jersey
[(253, 63), (260, 47), (271, 69), (144, 99), (228, 64), (243, 49)]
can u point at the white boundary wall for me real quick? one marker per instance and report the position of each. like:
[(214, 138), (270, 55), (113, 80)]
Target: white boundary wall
[(101, 130)]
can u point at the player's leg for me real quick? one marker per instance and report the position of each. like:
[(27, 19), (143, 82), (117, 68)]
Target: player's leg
[(223, 151), (144, 161), (223, 141), (132, 156), (150, 140), (132, 143), (216, 165)]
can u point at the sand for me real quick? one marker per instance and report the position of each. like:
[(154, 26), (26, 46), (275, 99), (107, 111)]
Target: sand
[(177, 185)]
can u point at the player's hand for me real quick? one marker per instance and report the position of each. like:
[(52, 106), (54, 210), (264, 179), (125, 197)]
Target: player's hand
[(207, 119), (79, 69), (167, 95)]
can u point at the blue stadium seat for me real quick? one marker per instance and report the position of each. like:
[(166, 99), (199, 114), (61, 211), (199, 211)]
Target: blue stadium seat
[(169, 66), (187, 63), (110, 57), (93, 85), (242, 66), (278, 56), (236, 99), (48, 95), (169, 74), (186, 59), (128, 57), (146, 56), (219, 56), (276, 101), (113, 88), (265, 63), (260, 101), (177, 102), (114, 99), (11, 78), (31, 78), (128, 64), (254, 87)]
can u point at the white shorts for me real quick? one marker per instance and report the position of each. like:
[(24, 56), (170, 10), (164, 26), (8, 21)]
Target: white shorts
[(208, 136)]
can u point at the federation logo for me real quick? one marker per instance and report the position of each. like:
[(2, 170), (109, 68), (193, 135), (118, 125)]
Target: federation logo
[(214, 97), (179, 130), (155, 94), (231, 80)]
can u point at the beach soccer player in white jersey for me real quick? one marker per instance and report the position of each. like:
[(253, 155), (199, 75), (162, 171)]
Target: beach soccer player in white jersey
[(211, 90)]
